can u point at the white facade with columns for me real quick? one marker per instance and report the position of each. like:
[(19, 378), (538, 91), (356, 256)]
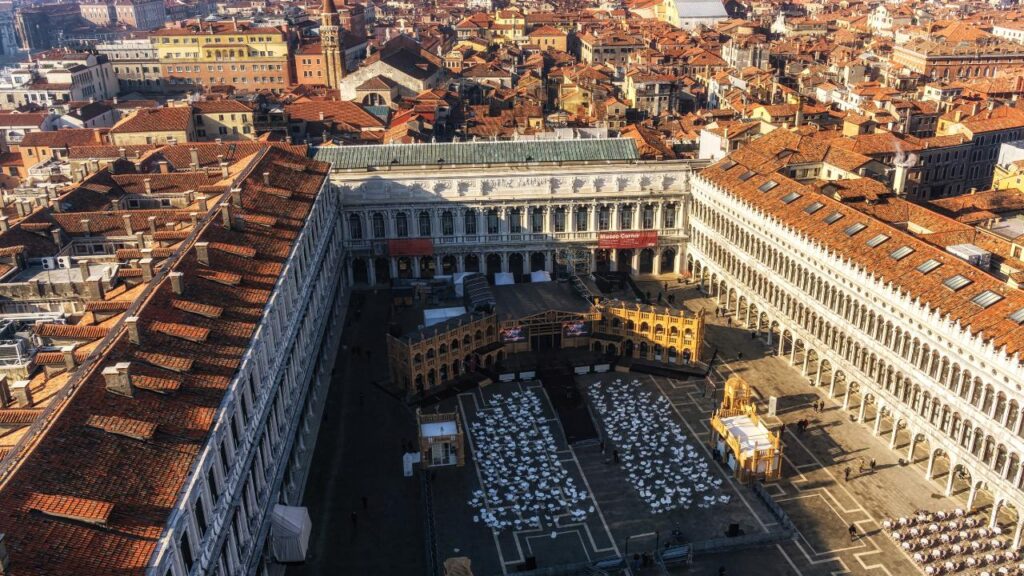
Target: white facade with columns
[(953, 391), (507, 219)]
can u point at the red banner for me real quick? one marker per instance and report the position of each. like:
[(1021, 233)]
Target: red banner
[(411, 247), (628, 239)]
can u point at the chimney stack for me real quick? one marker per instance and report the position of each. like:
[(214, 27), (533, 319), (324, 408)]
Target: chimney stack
[(4, 224), (5, 393), (20, 208), (140, 239), (164, 167), (266, 178), (147, 268), (194, 153), (236, 196), (148, 185), (203, 205), (194, 216), (22, 393), (122, 153), (85, 226), (177, 282), (57, 238), (83, 268), (118, 378), (134, 336), (127, 218), (94, 287), (69, 357), (224, 173), (203, 253), (152, 224), (225, 213)]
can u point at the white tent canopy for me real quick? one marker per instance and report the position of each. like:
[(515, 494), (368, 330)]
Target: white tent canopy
[(289, 532), (504, 278)]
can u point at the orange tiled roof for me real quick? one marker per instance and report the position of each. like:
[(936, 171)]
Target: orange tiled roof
[(126, 485)]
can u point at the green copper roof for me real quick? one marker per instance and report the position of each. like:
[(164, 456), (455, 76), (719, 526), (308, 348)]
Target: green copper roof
[(463, 153)]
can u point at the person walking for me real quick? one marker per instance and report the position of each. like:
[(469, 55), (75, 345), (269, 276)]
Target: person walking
[(846, 474), (872, 465), (853, 532)]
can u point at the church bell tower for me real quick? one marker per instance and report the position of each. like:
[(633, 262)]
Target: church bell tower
[(331, 45)]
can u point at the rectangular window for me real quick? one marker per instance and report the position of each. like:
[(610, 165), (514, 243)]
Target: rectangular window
[(201, 517), (603, 218), (986, 298), (537, 222), (768, 186), (928, 265), (853, 229), (790, 198), (833, 218), (901, 252), (186, 551), (1017, 316), (957, 282), (877, 240), (747, 175)]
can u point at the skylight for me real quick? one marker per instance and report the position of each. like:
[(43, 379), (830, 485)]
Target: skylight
[(957, 282), (1018, 316), (728, 164), (986, 298), (854, 228), (747, 175), (833, 218), (789, 198), (901, 252), (768, 186), (928, 265), (877, 240), (812, 208)]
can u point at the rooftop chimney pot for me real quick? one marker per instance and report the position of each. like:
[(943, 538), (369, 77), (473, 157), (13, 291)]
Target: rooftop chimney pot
[(134, 336), (203, 253), (22, 393), (177, 282)]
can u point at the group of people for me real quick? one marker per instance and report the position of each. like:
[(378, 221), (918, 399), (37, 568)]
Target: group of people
[(954, 542), (663, 466), (525, 484)]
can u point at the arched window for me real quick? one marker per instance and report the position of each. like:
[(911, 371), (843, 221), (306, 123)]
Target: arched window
[(355, 226), (447, 223), (379, 229), (469, 220), (424, 223), (401, 225)]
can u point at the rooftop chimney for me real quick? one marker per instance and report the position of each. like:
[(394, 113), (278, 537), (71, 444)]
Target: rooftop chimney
[(122, 153), (225, 213), (22, 393), (148, 185), (147, 268), (194, 216), (118, 378), (134, 336), (4, 225), (85, 226), (194, 153), (94, 287), (57, 238), (20, 208), (177, 282), (55, 205), (219, 140), (5, 393), (164, 167), (266, 178), (127, 219), (83, 268), (203, 206), (203, 253), (152, 224), (224, 173), (69, 357), (236, 196)]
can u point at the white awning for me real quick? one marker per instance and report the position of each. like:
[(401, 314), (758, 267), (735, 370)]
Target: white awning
[(289, 533), (540, 276), (504, 278)]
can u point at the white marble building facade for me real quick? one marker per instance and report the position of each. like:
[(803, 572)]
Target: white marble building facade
[(512, 220), (956, 394)]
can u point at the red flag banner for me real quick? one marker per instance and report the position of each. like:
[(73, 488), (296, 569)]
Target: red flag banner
[(411, 247), (628, 239)]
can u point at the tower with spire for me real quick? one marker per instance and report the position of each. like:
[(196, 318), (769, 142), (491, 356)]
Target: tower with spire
[(331, 45)]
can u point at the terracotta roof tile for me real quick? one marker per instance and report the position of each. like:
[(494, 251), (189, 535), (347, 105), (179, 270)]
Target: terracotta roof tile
[(184, 331), (137, 429), (70, 507)]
